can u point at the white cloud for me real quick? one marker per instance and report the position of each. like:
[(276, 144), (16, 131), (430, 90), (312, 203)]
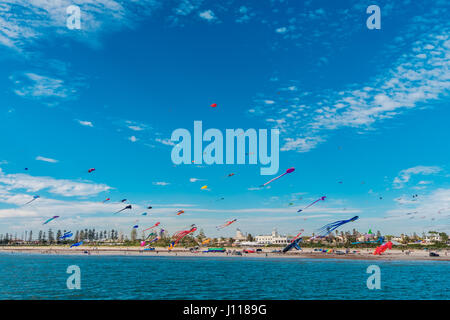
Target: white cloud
[(85, 123), (207, 15), (27, 21), (409, 82), (405, 175), (161, 183), (39, 158), (135, 128), (32, 85), (166, 142), (281, 30), (63, 187)]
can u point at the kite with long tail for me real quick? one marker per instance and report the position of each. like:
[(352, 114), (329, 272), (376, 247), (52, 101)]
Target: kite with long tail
[(52, 218), (77, 244), (180, 212), (158, 237), (298, 235), (226, 224), (320, 199), (34, 198), (155, 225), (328, 228), (287, 171), (293, 244), (180, 235), (67, 234), (127, 207)]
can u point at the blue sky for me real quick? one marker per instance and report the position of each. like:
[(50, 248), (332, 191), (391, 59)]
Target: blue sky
[(368, 108)]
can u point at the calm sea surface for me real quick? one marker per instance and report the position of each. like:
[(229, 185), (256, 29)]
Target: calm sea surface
[(27, 276)]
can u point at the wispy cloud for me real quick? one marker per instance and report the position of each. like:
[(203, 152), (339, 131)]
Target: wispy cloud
[(32, 85), (419, 75), (207, 15), (161, 183), (39, 158), (63, 187), (405, 175), (85, 123)]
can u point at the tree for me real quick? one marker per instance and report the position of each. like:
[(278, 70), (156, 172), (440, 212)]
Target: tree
[(444, 236), (201, 235), (30, 238), (133, 235), (250, 237)]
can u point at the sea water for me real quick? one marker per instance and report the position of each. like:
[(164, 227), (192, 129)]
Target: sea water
[(31, 276)]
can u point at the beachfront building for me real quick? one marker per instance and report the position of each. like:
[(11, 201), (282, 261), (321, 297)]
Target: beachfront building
[(240, 236), (432, 238), (274, 238)]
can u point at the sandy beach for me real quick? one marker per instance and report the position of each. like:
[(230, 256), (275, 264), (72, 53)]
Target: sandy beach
[(360, 254)]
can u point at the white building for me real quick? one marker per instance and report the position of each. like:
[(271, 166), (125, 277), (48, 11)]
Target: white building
[(274, 238), (240, 236)]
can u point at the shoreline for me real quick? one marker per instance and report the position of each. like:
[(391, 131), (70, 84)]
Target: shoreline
[(363, 254)]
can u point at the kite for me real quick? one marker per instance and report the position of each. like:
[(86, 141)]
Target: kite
[(379, 250), (320, 199), (180, 235), (214, 105), (155, 225), (127, 207), (144, 214), (204, 187), (67, 234), (326, 229), (287, 171), (107, 199), (293, 244), (158, 237), (52, 218), (206, 241), (226, 224), (123, 200), (34, 198), (91, 170), (77, 244), (220, 199), (135, 227), (298, 235), (26, 169), (180, 212), (149, 208), (231, 174)]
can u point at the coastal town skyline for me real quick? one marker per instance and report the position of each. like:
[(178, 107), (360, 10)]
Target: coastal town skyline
[(362, 115)]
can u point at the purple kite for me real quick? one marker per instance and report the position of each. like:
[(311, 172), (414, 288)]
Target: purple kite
[(52, 218), (287, 171), (320, 199)]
